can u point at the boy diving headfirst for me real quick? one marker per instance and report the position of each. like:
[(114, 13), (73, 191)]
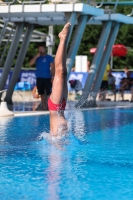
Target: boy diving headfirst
[(58, 97)]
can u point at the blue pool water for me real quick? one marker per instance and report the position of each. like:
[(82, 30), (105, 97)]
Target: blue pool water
[(95, 162)]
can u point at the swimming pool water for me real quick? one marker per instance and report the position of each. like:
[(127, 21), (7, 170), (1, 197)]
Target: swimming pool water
[(95, 162)]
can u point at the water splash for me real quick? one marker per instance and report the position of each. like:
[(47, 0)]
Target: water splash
[(80, 133)]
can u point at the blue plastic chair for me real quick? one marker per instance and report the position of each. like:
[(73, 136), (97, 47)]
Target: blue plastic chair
[(23, 86)]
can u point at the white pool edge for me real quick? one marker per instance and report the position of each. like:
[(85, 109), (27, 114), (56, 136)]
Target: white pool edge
[(37, 113)]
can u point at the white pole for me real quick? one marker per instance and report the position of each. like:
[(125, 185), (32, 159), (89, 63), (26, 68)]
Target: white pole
[(3, 91), (50, 47), (111, 62)]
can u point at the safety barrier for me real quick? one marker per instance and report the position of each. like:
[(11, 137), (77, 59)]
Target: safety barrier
[(30, 77)]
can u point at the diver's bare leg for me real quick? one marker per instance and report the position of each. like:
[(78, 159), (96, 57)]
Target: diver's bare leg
[(60, 81)]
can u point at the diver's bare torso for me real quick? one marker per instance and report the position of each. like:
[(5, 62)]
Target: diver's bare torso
[(58, 123)]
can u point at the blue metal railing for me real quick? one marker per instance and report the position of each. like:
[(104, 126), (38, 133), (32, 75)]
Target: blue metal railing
[(129, 15), (113, 2), (107, 2), (41, 2), (8, 2), (99, 3)]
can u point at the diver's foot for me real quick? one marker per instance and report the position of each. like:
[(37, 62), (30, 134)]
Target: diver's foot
[(65, 31)]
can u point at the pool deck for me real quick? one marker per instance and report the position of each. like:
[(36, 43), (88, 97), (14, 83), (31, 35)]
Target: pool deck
[(25, 105), (70, 107)]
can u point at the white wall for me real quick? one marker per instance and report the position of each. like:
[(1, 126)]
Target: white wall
[(81, 64)]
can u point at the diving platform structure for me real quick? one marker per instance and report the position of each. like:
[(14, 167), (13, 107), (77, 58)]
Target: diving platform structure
[(26, 15), (111, 25)]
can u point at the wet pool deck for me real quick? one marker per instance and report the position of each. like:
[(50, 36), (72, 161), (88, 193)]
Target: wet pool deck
[(25, 104), (28, 109)]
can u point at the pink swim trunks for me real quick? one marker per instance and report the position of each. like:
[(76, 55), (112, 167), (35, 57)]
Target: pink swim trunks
[(56, 107)]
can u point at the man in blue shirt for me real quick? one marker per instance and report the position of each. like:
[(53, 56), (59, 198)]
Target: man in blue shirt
[(44, 73)]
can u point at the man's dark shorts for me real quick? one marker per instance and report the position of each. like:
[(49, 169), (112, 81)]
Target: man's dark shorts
[(44, 84), (104, 85)]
